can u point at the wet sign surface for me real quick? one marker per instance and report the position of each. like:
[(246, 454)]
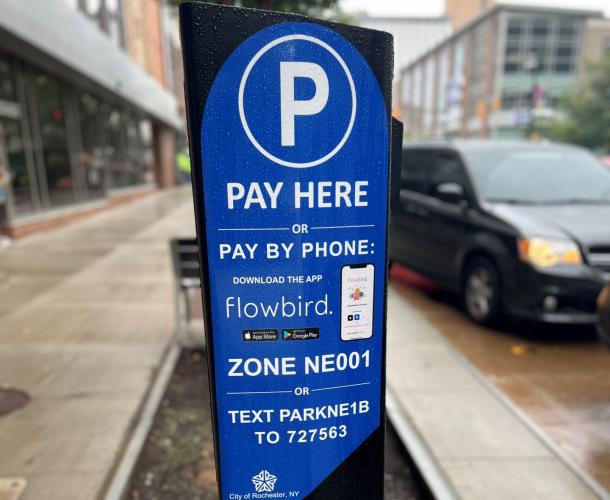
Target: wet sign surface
[(291, 190)]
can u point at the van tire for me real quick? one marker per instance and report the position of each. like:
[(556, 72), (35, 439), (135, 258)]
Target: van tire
[(481, 292)]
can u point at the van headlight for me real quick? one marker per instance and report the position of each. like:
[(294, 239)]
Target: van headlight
[(549, 252)]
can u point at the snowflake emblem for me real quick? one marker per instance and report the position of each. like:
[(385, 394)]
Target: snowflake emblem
[(264, 481)]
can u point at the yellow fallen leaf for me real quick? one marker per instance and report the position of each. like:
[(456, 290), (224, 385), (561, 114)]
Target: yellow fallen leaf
[(518, 350)]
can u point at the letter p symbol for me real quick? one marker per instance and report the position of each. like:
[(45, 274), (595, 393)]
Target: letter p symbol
[(289, 107)]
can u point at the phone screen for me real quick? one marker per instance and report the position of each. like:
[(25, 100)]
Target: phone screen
[(357, 286)]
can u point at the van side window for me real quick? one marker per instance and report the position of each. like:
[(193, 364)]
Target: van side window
[(448, 168), (415, 169)]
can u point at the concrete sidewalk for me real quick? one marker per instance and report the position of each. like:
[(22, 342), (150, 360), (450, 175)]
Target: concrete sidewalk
[(474, 444), (85, 318)]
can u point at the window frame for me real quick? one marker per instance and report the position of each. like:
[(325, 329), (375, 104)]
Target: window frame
[(434, 152), (467, 185), (426, 176)]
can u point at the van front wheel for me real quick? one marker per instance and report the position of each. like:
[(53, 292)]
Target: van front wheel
[(481, 292)]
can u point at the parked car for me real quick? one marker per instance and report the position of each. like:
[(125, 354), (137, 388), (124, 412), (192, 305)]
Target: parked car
[(603, 306), (515, 227)]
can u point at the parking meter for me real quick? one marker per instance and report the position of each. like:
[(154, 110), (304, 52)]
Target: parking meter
[(289, 124)]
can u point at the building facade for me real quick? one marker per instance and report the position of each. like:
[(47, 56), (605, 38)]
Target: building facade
[(81, 121), (595, 45), (143, 35), (496, 75), (461, 12), (413, 36)]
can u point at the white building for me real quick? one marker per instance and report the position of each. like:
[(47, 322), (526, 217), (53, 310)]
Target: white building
[(413, 36)]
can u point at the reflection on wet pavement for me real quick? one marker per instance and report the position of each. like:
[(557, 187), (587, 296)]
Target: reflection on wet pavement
[(559, 376)]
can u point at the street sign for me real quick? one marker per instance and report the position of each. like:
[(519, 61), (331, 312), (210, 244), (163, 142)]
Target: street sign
[(522, 117), (289, 123)]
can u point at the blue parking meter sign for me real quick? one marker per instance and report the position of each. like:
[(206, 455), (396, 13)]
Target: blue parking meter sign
[(289, 129)]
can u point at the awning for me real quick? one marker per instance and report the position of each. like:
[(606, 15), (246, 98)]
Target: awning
[(53, 27)]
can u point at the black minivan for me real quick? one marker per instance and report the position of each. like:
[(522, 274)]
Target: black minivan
[(514, 227), (603, 306)]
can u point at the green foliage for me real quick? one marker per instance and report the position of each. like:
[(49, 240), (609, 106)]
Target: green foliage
[(587, 120), (309, 7)]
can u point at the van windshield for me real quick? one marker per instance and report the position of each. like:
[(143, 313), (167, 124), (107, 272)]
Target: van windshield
[(544, 175)]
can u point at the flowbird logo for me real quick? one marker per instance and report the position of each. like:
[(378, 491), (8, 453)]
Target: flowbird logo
[(264, 481)]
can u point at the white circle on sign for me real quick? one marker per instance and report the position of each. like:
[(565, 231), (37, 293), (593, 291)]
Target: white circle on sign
[(242, 114)]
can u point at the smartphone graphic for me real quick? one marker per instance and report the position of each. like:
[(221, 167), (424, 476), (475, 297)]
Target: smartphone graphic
[(357, 295)]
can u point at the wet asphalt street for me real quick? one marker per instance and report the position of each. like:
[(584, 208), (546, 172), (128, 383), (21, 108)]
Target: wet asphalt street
[(558, 376)]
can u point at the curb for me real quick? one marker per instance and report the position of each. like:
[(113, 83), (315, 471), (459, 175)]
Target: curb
[(432, 472), (563, 457), (119, 481), (428, 467)]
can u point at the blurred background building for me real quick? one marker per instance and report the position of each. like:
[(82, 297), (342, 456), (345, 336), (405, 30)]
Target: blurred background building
[(90, 105), (461, 12), (500, 71), (92, 108), (413, 36)]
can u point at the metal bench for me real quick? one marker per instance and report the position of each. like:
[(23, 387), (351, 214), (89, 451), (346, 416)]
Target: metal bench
[(189, 330)]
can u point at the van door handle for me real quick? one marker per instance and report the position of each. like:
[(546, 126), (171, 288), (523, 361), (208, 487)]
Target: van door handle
[(413, 209)]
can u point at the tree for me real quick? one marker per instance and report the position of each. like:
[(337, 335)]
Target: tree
[(587, 113), (316, 8)]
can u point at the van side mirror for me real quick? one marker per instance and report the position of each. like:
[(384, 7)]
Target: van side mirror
[(450, 192)]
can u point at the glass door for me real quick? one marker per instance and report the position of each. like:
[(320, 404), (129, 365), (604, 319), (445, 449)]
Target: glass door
[(91, 160), (21, 178), (50, 125)]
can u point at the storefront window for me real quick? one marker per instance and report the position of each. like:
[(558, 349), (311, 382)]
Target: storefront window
[(50, 110), (112, 144), (10, 134), (147, 156), (7, 80), (129, 154), (133, 149), (114, 128), (91, 158), (12, 140), (139, 147), (109, 146)]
